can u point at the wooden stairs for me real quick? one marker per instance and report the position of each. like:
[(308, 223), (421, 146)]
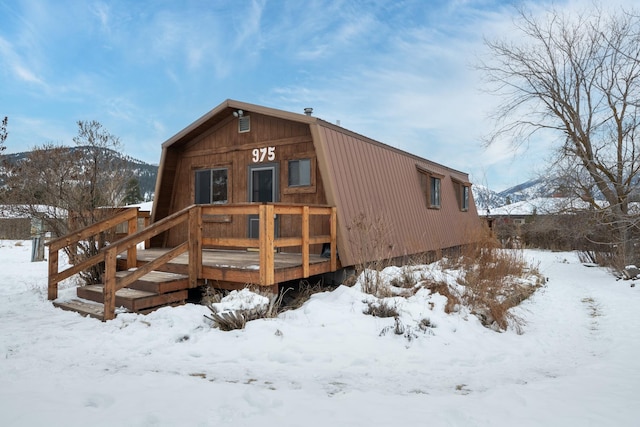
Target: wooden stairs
[(152, 291)]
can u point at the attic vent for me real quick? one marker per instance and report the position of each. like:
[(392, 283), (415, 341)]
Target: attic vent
[(244, 124)]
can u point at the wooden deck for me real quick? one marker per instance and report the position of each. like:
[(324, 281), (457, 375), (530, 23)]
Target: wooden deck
[(138, 279), (234, 269)]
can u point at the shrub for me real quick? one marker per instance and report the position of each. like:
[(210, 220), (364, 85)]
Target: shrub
[(228, 320), (491, 281), (381, 308), (237, 318), (494, 281)]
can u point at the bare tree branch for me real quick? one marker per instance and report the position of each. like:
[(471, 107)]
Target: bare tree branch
[(579, 77)]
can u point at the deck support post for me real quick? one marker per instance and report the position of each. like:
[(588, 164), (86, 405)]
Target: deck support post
[(305, 241), (109, 288), (267, 276), (52, 288), (195, 245), (334, 232)]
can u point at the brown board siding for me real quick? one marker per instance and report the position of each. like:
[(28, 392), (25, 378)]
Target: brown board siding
[(224, 146), (378, 188)]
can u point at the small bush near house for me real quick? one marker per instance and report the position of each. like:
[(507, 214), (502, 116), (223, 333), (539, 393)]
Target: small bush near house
[(494, 280), (254, 302), (381, 308)]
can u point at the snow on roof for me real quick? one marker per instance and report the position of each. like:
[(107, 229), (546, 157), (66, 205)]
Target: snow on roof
[(540, 206), (144, 206), (20, 211)]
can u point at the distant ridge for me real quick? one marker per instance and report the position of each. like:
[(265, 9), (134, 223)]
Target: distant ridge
[(144, 172)]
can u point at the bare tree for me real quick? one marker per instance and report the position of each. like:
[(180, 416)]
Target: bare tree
[(70, 187), (3, 133), (577, 76)]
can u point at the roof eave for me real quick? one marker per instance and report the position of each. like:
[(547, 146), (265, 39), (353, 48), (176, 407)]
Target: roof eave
[(230, 105)]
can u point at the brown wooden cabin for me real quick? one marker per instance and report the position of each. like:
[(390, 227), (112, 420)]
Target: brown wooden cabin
[(293, 188)]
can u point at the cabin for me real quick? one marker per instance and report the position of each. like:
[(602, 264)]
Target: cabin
[(253, 195)]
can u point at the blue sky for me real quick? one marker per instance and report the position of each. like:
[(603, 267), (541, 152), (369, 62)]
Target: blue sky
[(401, 72)]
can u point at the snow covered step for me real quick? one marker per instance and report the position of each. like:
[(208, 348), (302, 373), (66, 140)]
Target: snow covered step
[(158, 281), (85, 308), (133, 299)]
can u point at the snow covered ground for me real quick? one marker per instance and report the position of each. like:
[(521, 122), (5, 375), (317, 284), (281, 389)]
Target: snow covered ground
[(325, 364)]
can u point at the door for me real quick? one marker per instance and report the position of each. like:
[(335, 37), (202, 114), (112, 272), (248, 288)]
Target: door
[(263, 188)]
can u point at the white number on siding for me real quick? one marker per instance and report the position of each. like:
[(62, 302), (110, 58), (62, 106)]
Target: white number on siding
[(259, 155)]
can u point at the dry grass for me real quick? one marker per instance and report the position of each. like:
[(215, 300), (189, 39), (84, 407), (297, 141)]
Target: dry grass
[(294, 297), (287, 299), (495, 280), (381, 308), (237, 319), (442, 288)]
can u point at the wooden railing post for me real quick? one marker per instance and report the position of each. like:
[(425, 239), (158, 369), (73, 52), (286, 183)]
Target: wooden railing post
[(195, 245), (109, 290), (147, 221), (132, 252), (267, 275), (52, 291), (334, 246), (305, 241)]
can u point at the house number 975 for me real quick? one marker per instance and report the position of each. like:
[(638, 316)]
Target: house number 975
[(259, 155)]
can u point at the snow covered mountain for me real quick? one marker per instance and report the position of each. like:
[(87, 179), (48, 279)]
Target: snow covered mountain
[(486, 198)]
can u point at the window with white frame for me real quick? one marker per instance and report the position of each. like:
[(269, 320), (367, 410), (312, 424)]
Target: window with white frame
[(244, 124)]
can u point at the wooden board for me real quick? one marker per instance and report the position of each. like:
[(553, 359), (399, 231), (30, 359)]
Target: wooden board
[(90, 309), (132, 299), (158, 282)]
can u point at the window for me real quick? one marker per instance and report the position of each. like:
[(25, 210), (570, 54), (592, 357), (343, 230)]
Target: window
[(462, 189), (300, 173), (434, 191), (464, 202), (244, 124), (431, 185), (211, 186)]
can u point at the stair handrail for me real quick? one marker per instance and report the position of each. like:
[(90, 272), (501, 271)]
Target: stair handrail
[(112, 283), (129, 215)]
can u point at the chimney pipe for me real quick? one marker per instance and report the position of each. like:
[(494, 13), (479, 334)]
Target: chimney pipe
[(308, 111)]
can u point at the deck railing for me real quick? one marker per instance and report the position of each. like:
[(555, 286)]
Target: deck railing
[(192, 217), (71, 241)]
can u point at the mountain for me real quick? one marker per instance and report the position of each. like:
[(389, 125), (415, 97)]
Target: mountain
[(529, 190), (144, 172)]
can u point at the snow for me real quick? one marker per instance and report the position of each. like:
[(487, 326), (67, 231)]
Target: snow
[(326, 363), (540, 206)]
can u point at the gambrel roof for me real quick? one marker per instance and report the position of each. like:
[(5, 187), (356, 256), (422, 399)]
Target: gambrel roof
[(377, 189)]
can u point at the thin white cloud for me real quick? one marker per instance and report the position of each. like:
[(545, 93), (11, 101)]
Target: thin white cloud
[(102, 13), (14, 62), (248, 29)]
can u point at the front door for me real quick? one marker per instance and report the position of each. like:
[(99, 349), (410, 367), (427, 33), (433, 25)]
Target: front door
[(263, 188)]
